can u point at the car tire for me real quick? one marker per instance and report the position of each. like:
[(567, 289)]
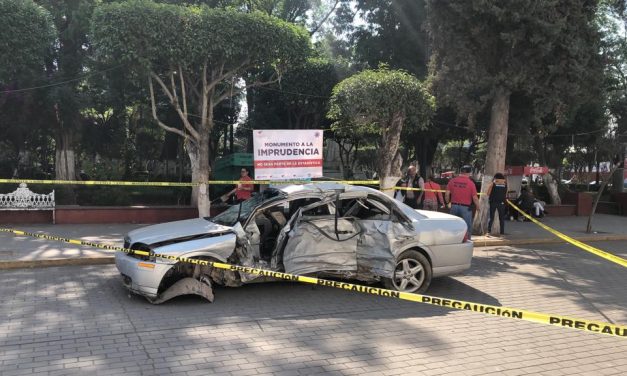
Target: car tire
[(411, 274)]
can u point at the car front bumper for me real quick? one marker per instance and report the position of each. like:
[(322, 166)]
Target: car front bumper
[(141, 277)]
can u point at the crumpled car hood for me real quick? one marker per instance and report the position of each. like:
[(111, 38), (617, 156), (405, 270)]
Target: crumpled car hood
[(174, 230)]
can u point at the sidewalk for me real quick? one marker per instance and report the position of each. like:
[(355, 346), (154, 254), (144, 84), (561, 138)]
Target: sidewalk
[(25, 252), (605, 227)]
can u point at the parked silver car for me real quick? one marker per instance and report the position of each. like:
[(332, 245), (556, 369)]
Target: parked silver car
[(328, 230)]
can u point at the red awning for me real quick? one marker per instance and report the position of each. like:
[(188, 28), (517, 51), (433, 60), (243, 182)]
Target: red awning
[(526, 170)]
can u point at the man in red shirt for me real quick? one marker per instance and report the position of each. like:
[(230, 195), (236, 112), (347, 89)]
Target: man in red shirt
[(461, 193), (244, 191)]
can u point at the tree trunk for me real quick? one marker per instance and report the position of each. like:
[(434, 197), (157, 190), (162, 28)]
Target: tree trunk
[(199, 158), (17, 162), (495, 156), (65, 161), (346, 163), (549, 181), (598, 197), (551, 186), (389, 158), (231, 138), (341, 155), (65, 166), (250, 104), (425, 148)]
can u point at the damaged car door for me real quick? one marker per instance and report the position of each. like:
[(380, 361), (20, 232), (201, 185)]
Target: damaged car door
[(354, 240)]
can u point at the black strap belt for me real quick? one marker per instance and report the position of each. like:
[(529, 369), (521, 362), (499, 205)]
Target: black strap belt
[(456, 203)]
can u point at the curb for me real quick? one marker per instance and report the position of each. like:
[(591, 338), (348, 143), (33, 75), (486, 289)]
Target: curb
[(29, 264), (497, 242), (108, 260)]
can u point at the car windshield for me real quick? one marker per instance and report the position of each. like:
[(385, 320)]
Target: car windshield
[(233, 214)]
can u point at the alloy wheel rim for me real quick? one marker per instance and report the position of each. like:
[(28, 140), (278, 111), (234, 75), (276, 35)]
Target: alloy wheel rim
[(408, 276)]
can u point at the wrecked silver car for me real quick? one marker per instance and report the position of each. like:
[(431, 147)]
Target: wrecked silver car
[(326, 230)]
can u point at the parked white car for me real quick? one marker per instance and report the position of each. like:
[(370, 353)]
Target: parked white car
[(327, 230)]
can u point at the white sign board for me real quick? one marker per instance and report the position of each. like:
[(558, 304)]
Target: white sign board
[(287, 154)]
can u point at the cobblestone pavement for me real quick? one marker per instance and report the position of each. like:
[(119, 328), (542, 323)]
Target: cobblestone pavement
[(79, 320)]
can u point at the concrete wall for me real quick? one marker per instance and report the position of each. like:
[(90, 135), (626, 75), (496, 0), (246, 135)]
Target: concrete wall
[(104, 214)]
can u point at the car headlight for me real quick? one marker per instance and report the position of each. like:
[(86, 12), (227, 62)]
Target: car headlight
[(145, 252)]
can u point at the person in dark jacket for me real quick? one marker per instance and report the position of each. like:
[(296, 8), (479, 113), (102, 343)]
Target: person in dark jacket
[(411, 198), (524, 202), (497, 192)]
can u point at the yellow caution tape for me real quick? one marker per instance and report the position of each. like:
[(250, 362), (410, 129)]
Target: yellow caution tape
[(412, 189), (353, 182), (99, 182), (419, 189), (177, 184), (608, 256), (500, 311)]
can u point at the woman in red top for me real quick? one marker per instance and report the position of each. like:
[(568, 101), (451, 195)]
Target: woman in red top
[(432, 199), (244, 191)]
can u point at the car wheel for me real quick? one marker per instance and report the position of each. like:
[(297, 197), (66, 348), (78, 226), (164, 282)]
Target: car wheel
[(412, 273)]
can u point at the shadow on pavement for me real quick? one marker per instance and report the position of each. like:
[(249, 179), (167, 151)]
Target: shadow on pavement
[(597, 283), (88, 306)]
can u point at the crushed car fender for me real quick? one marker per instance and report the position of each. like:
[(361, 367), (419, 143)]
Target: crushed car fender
[(186, 286)]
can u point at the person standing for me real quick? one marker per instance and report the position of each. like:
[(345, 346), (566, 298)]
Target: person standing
[(497, 192), (244, 191), (461, 193), (433, 199), (412, 198)]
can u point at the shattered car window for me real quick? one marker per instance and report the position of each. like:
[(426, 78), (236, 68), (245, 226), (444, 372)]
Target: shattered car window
[(234, 214)]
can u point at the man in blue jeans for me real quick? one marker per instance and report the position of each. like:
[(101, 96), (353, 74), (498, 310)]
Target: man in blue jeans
[(461, 193)]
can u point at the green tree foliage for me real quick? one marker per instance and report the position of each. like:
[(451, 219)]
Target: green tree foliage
[(26, 38), (485, 50), (299, 100), (266, 108), (294, 11), (380, 102), (305, 91), (66, 99), (393, 33), (613, 20), (541, 48), (195, 56)]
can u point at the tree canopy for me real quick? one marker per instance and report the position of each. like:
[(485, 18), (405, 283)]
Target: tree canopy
[(26, 38), (485, 51), (157, 35), (196, 56), (124, 88), (381, 102), (544, 49)]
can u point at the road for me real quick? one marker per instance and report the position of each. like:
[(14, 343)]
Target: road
[(77, 320)]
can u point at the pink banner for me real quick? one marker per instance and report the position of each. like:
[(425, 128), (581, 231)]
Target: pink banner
[(289, 163), (287, 154)]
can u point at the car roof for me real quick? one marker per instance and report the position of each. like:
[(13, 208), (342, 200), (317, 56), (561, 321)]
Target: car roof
[(327, 186)]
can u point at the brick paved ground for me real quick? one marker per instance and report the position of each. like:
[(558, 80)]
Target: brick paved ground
[(78, 320)]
